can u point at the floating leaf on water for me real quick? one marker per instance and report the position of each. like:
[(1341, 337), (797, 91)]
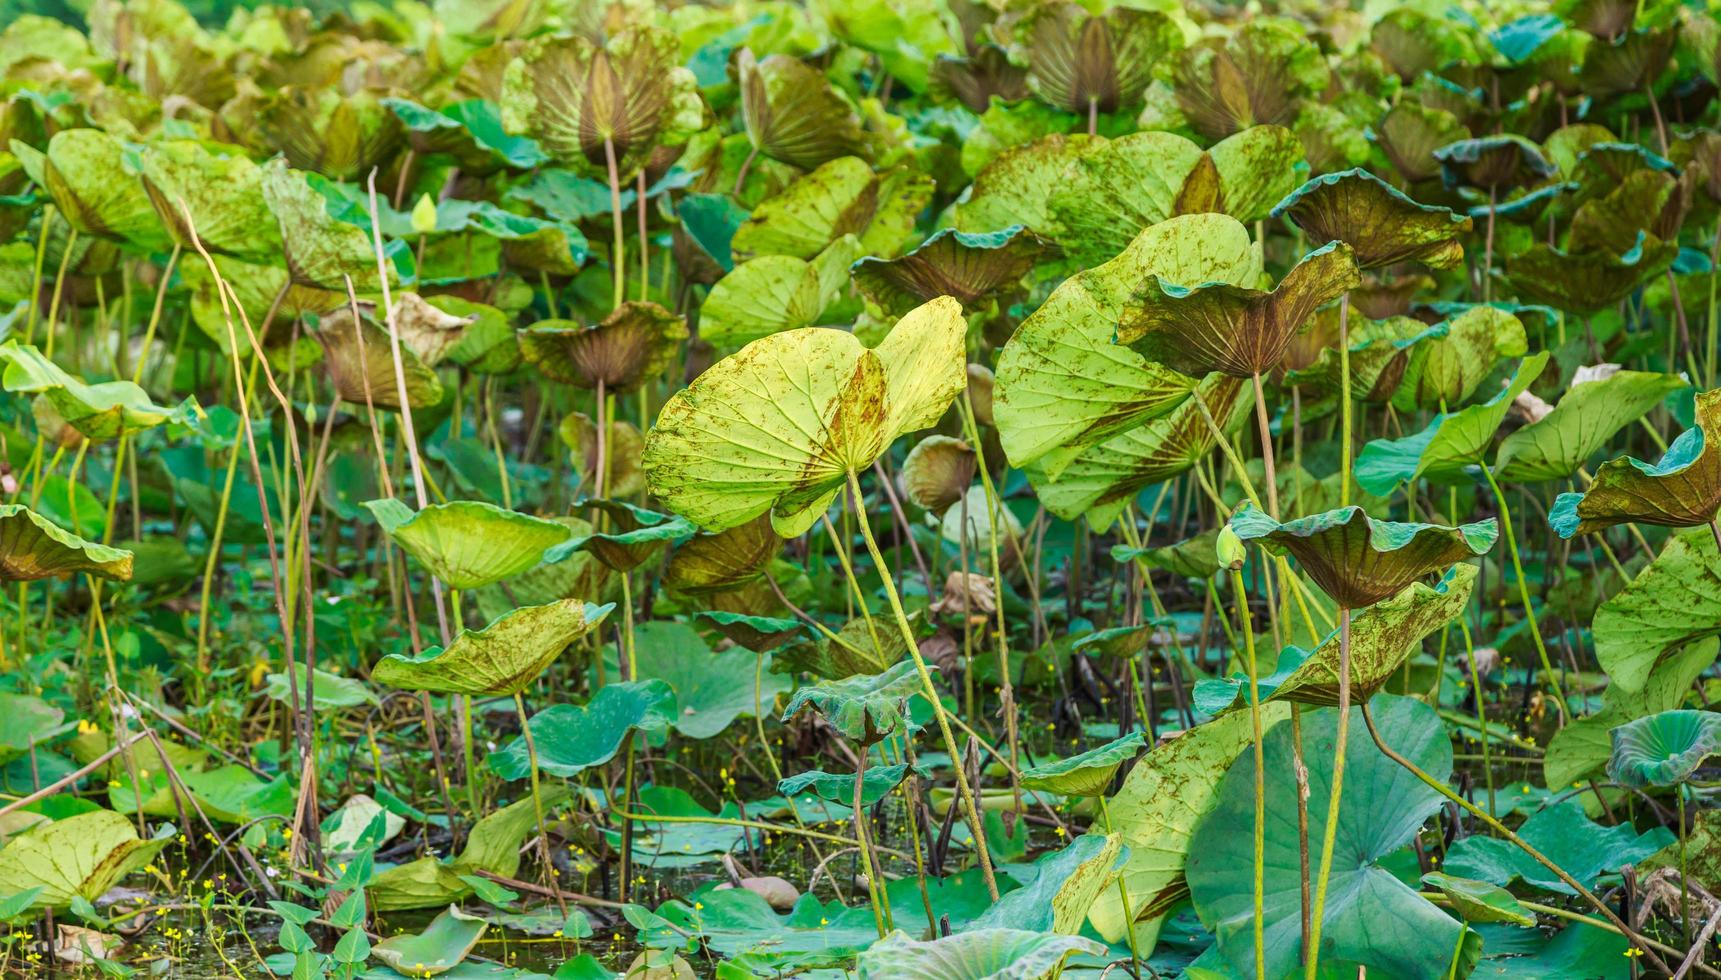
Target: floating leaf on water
[(441, 947)]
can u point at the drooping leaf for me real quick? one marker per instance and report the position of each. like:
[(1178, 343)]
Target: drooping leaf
[(1683, 489), (33, 547), (1083, 62), (1066, 882), (1382, 224), (841, 197), (970, 267), (85, 173), (1586, 283), (636, 535), (1500, 162), (1085, 774), (360, 360), (876, 783), (778, 426), (493, 845), (321, 251), (863, 708), (224, 191), (630, 346), (1016, 186), (503, 658), (774, 293), (105, 410), (1256, 75), (1478, 901), (791, 113), (1383, 637), (756, 633), (1582, 747), (468, 544)]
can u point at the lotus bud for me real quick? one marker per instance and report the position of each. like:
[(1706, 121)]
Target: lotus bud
[(424, 215), (1229, 548)]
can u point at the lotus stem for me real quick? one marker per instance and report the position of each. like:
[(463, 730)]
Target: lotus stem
[(1312, 954), (1301, 771), (1345, 400), (1248, 631), (155, 314), (48, 215), (1440, 787), (1266, 447), (1487, 283), (537, 796), (644, 252), (618, 252), (1714, 337), (59, 290), (969, 810), (759, 718), (874, 886), (1524, 594), (1481, 709), (1123, 895), (601, 465)]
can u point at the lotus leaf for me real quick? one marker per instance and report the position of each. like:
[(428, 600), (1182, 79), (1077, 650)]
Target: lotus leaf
[(1448, 362), (1663, 749), (1257, 75), (1409, 134), (726, 560), (1556, 446), (468, 544), (984, 954), (636, 536), (1382, 809), (604, 107), (633, 344), (970, 267), (222, 188), (573, 738), (863, 708), (33, 547), (1358, 560), (1478, 901), (1584, 849), (1236, 329), (774, 293), (733, 445), (792, 114), (105, 410), (1381, 223), (1064, 386), (1017, 186), (876, 783), (1088, 774), (757, 633), (842, 197), (79, 857), (1082, 62), (1673, 601), (1587, 282), (471, 130), (1451, 443), (85, 172), (1683, 489), (503, 658), (1583, 746), (493, 845), (360, 359), (321, 251), (937, 472), (1494, 162), (439, 948)]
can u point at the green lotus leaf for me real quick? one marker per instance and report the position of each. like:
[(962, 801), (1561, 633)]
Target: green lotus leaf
[(105, 410), (1064, 386), (1449, 361), (1411, 42), (87, 174), (1255, 75), (756, 633), (1124, 185), (1409, 134), (1018, 185), (635, 535), (321, 251), (792, 114), (1064, 886), (328, 130), (983, 954), (254, 286), (1626, 64), (853, 652), (1195, 557), (471, 131), (1165, 794), (224, 191), (1087, 774), (633, 344), (1672, 602), (937, 472), (26, 721), (32, 36), (1358, 560), (1235, 329), (1082, 62), (1499, 162), (1588, 282), (1373, 918), (1583, 848), (726, 560), (978, 79), (712, 689), (501, 659), (78, 857), (573, 738), (623, 445), (904, 35), (577, 576), (360, 360), (1451, 444), (441, 947), (841, 197), (1613, 221), (970, 267), (465, 543), (493, 845), (1663, 749), (1380, 222), (1582, 746), (1105, 477), (1332, 138), (779, 425), (876, 783), (1683, 489), (1557, 445), (703, 243), (774, 293), (863, 708), (1478, 901), (576, 98), (1603, 164), (1383, 637)]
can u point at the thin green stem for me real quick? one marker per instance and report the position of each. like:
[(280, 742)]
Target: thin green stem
[(1329, 833), (1240, 596), (1524, 594)]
